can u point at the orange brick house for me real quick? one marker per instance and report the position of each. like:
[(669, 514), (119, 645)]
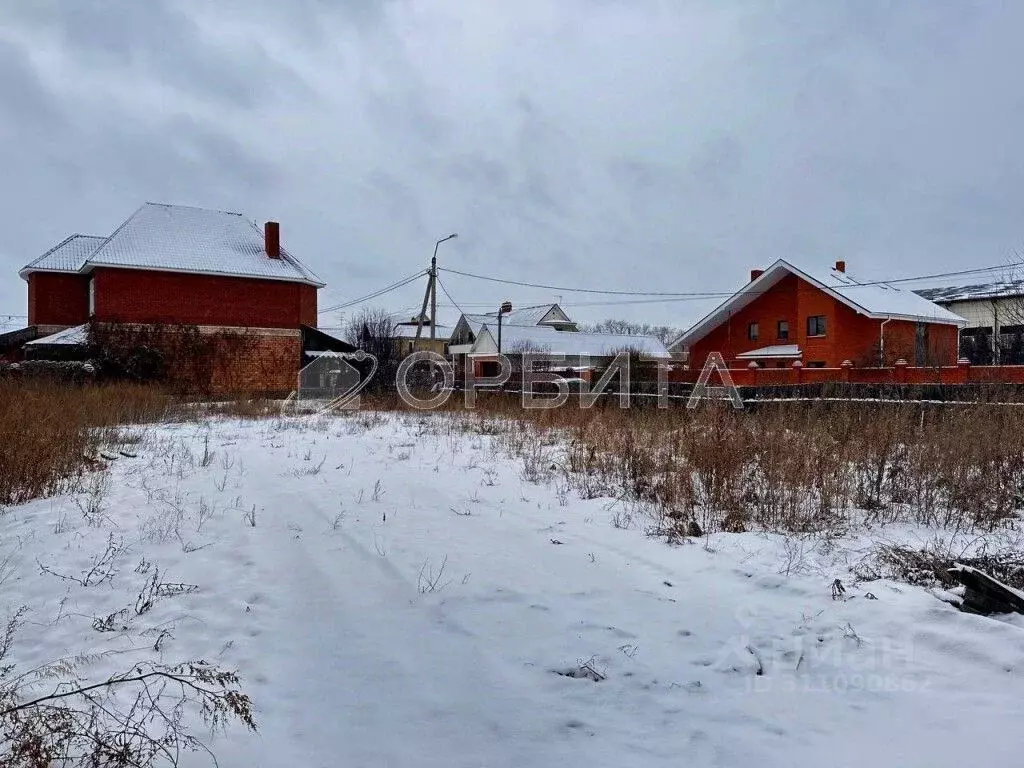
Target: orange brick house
[(787, 314), (179, 266)]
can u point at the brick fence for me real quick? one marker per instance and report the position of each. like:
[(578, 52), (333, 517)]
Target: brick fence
[(901, 373)]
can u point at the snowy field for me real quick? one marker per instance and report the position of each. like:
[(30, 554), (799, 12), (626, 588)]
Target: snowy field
[(394, 593)]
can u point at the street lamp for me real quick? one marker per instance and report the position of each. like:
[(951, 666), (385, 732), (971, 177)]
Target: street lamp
[(504, 309), (452, 236), (432, 290)]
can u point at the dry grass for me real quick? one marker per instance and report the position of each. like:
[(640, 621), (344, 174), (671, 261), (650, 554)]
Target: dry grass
[(796, 467), (49, 432)]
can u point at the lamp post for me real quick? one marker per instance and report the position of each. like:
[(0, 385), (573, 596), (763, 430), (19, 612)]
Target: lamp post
[(505, 308), (433, 285)]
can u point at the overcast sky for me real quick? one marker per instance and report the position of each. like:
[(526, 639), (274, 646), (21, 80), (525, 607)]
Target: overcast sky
[(615, 144)]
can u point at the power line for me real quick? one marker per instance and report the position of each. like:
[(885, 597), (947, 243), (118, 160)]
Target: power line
[(662, 297), (375, 294), (557, 287), (453, 301), (673, 296)]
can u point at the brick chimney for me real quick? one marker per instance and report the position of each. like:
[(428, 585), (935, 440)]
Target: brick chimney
[(755, 273), (840, 266), (272, 236)]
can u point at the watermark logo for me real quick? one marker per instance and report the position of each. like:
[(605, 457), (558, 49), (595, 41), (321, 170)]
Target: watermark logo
[(331, 382), (819, 656), (426, 380), (727, 391), (440, 389)]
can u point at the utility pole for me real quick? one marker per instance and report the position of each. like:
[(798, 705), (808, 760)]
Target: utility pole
[(431, 292), (433, 296)]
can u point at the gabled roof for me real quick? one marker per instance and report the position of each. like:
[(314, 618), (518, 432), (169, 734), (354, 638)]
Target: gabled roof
[(1000, 289), (178, 238), (875, 300), (69, 255), (537, 315), (548, 340)]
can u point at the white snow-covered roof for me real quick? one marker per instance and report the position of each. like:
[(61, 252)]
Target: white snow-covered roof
[(10, 323), (540, 314), (178, 238), (880, 299), (570, 343), (69, 255), (74, 337), (777, 350), (1000, 289), (875, 300), (408, 331)]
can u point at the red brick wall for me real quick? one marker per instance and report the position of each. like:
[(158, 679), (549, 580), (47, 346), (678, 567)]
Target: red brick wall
[(730, 338), (140, 296), (901, 342), (212, 359), (848, 334), (272, 366), (810, 302), (57, 299), (307, 305)]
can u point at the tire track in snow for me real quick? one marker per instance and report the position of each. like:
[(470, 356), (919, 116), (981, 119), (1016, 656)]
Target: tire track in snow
[(362, 673)]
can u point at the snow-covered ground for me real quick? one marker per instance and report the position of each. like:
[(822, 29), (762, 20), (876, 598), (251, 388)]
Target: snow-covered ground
[(406, 598)]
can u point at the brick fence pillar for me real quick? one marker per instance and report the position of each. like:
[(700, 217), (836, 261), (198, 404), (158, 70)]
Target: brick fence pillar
[(963, 370), (901, 371), (846, 367), (798, 371)]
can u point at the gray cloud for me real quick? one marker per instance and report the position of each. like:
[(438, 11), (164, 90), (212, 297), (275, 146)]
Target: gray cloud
[(628, 145), (160, 40)]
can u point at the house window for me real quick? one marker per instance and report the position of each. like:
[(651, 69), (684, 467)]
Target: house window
[(783, 330), (816, 325), (753, 331)]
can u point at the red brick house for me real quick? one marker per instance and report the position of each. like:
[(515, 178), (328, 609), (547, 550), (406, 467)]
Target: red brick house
[(785, 314), (175, 266)]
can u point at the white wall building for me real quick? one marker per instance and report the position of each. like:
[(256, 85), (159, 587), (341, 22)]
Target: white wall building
[(995, 319)]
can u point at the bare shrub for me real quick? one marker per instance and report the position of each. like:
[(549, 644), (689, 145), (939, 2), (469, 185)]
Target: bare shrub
[(135, 718), (431, 579)]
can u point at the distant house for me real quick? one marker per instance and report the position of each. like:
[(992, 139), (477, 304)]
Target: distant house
[(994, 311), (413, 335), (549, 335), (575, 353), (467, 328), (177, 266), (787, 314)]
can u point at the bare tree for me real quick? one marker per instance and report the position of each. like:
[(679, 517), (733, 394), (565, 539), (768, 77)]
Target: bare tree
[(1008, 314), (373, 331), (665, 333), (521, 352)]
